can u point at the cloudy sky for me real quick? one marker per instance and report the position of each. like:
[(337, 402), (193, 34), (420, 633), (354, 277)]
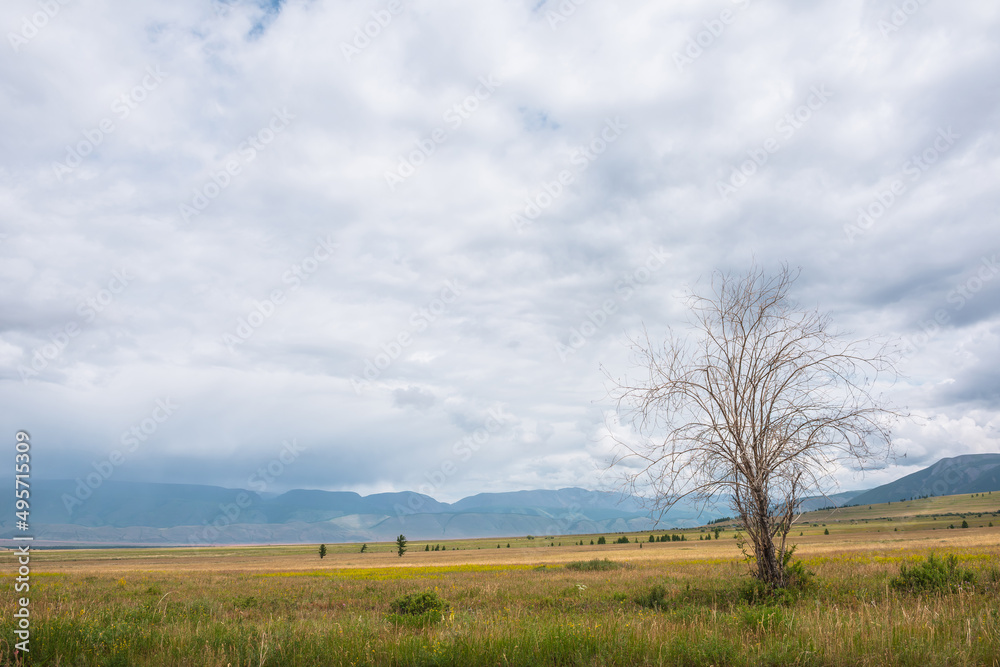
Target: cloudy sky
[(391, 243)]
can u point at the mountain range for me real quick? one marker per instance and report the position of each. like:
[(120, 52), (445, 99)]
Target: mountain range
[(971, 473), (131, 513)]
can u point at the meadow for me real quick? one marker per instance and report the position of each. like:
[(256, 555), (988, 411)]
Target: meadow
[(540, 601)]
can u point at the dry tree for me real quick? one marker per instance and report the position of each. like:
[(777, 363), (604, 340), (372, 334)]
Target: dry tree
[(756, 407)]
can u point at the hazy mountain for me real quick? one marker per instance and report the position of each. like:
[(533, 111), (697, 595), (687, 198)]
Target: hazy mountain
[(140, 513), (972, 473), (129, 512)]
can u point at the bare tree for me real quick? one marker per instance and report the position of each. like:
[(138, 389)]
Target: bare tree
[(757, 408)]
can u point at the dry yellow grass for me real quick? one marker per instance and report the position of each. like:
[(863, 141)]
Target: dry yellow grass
[(283, 605), (303, 558)]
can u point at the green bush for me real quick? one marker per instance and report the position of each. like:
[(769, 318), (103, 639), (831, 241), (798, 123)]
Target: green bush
[(796, 574), (592, 565), (797, 581), (419, 603), (654, 598), (933, 575), (418, 609)]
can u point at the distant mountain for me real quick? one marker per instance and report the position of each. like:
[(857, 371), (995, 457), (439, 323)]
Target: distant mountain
[(139, 513), (971, 473), (132, 513)]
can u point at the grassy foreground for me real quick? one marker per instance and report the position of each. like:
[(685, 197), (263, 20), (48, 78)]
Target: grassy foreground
[(283, 606)]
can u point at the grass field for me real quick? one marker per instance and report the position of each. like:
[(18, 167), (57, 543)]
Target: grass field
[(521, 605)]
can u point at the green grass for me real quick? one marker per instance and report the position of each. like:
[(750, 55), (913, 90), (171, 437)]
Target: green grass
[(648, 614)]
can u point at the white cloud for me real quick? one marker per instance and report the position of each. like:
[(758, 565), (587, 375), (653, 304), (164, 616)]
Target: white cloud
[(229, 68)]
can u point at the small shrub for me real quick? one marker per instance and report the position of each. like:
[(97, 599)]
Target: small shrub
[(593, 565), (654, 598), (418, 603), (933, 575), (798, 577), (418, 609), (797, 580)]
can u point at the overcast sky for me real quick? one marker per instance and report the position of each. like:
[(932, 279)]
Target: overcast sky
[(348, 235)]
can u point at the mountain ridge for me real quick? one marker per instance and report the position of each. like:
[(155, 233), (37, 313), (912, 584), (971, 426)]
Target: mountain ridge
[(67, 511), (966, 473)]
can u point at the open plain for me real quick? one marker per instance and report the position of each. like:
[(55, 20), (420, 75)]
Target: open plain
[(684, 602)]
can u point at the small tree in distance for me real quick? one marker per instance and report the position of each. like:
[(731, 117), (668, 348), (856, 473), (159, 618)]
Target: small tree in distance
[(759, 407), (401, 545), (322, 551)]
